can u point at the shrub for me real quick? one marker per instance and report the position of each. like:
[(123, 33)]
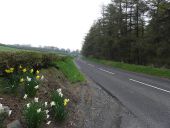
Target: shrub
[(58, 105), (26, 59), (34, 114)]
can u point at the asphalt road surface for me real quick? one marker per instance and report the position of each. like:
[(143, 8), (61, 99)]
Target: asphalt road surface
[(145, 96)]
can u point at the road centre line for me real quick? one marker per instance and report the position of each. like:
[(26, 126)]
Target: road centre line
[(106, 71), (150, 85)]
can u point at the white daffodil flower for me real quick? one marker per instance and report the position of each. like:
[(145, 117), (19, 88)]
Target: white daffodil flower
[(9, 112), (61, 94), (46, 103), (29, 79), (49, 122), (46, 111), (59, 90), (1, 108), (1, 105), (48, 116), (28, 105), (42, 77), (25, 96), (36, 99), (52, 103), (36, 87), (39, 110)]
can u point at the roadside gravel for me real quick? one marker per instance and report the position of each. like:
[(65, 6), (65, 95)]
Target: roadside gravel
[(100, 110)]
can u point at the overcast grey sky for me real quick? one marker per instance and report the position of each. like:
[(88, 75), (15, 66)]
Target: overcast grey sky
[(60, 23)]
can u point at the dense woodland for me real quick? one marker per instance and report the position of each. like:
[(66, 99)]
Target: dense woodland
[(131, 31)]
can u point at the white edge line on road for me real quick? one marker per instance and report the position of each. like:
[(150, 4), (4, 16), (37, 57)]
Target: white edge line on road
[(106, 71), (149, 85), (91, 65)]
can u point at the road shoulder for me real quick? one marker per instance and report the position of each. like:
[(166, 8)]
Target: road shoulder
[(100, 110)]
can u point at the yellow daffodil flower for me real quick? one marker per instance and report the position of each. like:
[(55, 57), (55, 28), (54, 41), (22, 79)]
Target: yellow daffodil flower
[(37, 77), (24, 70), (8, 71), (66, 101), (32, 70), (37, 72), (22, 80), (20, 66), (11, 69)]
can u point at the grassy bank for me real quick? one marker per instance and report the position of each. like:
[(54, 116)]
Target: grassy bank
[(70, 70), (135, 68)]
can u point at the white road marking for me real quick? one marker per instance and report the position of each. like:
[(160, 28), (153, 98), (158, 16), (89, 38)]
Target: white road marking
[(106, 71), (149, 85), (91, 65)]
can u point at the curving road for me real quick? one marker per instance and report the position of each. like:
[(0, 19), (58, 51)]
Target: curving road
[(146, 96)]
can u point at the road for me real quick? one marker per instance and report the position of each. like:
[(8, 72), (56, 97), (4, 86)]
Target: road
[(145, 96)]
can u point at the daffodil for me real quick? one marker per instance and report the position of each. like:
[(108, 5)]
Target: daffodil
[(60, 92), (36, 99), (48, 122), (9, 112), (66, 101), (36, 87), (11, 69), (20, 67), (32, 70), (46, 103), (42, 77), (37, 72), (28, 105), (24, 70), (48, 116), (39, 110), (22, 80), (8, 71), (28, 79), (46, 111), (52, 103), (38, 77), (1, 108), (25, 96)]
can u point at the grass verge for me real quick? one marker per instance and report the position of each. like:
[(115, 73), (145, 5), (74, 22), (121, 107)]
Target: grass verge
[(134, 68), (70, 70)]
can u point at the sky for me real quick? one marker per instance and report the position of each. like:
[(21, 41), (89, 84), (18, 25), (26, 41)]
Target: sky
[(59, 23)]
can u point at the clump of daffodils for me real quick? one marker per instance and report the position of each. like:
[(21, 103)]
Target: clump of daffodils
[(58, 105), (31, 81), (34, 114)]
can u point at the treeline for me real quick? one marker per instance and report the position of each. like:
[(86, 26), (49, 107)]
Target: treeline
[(132, 31)]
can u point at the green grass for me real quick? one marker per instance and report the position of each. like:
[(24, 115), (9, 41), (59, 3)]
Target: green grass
[(70, 70), (135, 68)]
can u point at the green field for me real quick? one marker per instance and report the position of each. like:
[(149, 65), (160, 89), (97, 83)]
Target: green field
[(5, 48), (135, 68)]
